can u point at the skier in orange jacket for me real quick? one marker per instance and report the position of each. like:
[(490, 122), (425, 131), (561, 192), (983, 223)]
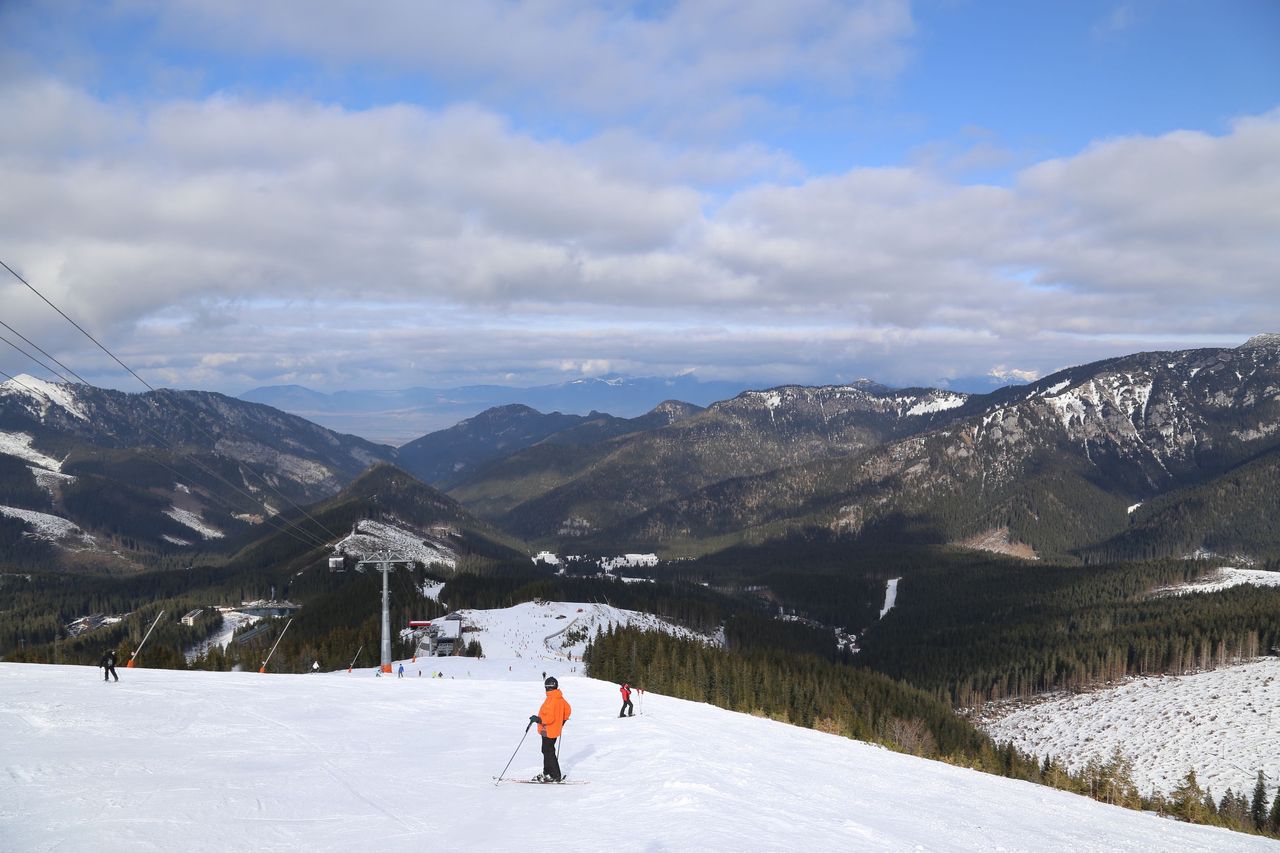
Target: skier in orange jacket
[(551, 718)]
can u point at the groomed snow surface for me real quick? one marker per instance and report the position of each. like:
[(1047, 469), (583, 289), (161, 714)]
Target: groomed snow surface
[(1224, 724), (195, 761)]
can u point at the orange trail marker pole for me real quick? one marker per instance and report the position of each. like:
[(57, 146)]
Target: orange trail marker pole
[(133, 657), (353, 660), (273, 648)]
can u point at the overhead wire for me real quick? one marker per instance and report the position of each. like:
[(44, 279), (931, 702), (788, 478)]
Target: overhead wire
[(312, 542), (42, 352), (33, 358), (328, 533)]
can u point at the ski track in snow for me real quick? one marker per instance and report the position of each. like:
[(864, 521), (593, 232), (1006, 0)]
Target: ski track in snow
[(890, 596), (204, 762), (1222, 723)]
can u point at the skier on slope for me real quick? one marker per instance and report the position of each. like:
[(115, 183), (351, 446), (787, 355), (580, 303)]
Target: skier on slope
[(551, 718), (628, 710), (109, 665)]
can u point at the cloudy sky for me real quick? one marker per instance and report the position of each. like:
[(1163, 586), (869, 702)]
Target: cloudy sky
[(345, 194)]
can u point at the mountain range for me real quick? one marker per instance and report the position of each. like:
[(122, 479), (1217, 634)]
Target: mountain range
[(1144, 455), (398, 416)]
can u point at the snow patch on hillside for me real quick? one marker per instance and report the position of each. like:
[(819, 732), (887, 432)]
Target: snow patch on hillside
[(189, 519), (51, 528), (45, 394), (19, 444), (1223, 578), (938, 404), (998, 540), (372, 538), (555, 630), (212, 761), (890, 596), (1221, 723)]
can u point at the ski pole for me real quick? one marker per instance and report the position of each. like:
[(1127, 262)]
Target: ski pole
[(513, 755)]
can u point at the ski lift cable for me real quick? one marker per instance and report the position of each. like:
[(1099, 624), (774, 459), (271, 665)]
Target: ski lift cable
[(42, 352), (328, 533), (33, 358), (313, 541)]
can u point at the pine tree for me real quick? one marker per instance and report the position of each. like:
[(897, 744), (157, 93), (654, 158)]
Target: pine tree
[(1187, 800), (1258, 809), (1274, 819)]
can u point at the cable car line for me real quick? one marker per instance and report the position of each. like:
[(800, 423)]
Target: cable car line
[(312, 542), (328, 533)]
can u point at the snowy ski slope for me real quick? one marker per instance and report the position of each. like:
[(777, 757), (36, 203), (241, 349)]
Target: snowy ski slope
[(203, 762)]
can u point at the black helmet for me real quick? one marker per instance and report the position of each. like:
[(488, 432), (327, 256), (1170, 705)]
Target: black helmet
[(551, 683)]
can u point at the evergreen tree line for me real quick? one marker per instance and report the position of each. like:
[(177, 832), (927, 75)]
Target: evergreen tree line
[(1001, 631), (803, 688), (1235, 810)]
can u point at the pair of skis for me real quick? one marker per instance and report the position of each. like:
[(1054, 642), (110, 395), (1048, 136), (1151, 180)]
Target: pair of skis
[(564, 780)]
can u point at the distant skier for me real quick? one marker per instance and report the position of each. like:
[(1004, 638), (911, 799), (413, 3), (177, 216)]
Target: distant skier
[(628, 710), (109, 666), (400, 673), (551, 718), (315, 666)]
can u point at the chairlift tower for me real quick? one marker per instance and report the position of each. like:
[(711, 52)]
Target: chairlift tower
[(386, 563)]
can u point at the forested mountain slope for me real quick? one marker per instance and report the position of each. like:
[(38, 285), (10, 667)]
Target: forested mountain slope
[(1058, 462)]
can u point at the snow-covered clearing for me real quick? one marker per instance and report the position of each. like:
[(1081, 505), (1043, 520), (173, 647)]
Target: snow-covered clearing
[(941, 403), (203, 762), (19, 444), (554, 630), (1222, 723), (188, 518), (231, 620), (371, 538), (890, 596), (998, 540), (1223, 578), (49, 480), (49, 527)]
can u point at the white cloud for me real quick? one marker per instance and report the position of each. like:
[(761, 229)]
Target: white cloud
[(238, 242), (683, 62)]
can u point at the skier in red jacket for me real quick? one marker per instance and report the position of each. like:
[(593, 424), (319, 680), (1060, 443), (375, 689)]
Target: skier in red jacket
[(627, 709)]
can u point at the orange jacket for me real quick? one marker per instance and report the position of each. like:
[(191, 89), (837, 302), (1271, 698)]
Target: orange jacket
[(553, 713)]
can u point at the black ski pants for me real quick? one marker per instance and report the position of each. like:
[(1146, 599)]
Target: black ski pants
[(627, 709), (109, 672), (550, 764)]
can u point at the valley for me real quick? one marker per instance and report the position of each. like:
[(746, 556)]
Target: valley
[(880, 558)]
